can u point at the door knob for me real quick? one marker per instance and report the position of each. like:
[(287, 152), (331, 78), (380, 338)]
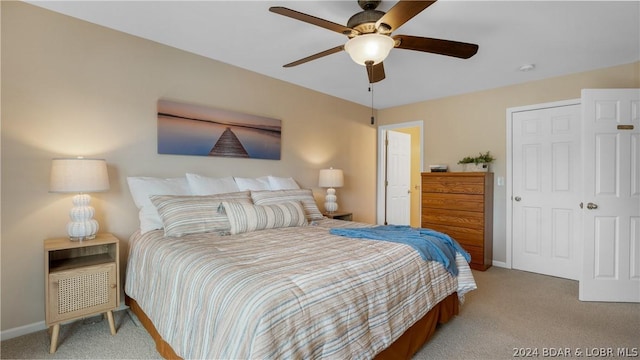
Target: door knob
[(517, 198), (592, 206)]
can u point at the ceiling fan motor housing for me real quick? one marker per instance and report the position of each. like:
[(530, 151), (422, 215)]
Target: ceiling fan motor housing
[(365, 21), (369, 4)]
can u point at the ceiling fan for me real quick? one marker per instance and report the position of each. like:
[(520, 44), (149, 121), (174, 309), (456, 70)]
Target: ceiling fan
[(370, 40)]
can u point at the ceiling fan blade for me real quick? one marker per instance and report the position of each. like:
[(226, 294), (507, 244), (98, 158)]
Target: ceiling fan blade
[(315, 56), (436, 46), (375, 72), (313, 20), (399, 14)]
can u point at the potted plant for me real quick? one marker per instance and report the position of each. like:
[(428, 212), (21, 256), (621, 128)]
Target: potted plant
[(478, 163)]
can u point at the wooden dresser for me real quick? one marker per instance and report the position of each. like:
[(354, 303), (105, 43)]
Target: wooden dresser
[(460, 204)]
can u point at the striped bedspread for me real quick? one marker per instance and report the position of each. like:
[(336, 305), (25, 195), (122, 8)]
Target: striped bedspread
[(284, 293)]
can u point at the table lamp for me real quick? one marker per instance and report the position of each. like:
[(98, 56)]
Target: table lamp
[(80, 175), (331, 178)]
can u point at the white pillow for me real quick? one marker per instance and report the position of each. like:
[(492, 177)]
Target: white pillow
[(202, 185), (261, 183), (281, 183), (142, 188)]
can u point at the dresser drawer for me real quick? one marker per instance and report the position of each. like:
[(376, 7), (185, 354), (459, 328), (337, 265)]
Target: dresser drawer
[(466, 202), (464, 236), (471, 241), (453, 185), (468, 219), (477, 256)]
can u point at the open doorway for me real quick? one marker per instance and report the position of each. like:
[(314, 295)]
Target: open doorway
[(416, 131)]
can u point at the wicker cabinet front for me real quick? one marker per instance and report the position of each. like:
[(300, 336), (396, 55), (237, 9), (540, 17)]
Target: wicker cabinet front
[(82, 291)]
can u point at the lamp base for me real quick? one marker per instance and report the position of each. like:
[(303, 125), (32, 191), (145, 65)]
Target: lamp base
[(82, 225), (330, 204), (82, 238)]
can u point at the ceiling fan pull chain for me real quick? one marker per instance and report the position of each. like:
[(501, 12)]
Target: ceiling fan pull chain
[(369, 65), (373, 121)]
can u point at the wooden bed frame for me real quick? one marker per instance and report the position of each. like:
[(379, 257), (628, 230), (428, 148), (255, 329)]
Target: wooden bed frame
[(404, 348)]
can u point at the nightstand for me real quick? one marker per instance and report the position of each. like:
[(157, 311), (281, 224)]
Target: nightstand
[(81, 279), (339, 215)]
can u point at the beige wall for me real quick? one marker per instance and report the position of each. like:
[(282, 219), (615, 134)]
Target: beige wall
[(72, 88), (463, 125)]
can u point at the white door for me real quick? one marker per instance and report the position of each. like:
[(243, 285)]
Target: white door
[(398, 175), (546, 191), (611, 141)]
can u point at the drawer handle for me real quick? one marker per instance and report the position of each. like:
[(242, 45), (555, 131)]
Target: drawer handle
[(113, 286)]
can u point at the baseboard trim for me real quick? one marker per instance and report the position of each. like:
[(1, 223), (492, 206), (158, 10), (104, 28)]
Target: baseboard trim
[(500, 264), (38, 326), (22, 330)]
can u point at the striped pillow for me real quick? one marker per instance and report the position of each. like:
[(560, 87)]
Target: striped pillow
[(305, 196), (183, 215), (248, 217)]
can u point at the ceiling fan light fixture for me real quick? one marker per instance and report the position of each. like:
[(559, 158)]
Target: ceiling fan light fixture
[(369, 47)]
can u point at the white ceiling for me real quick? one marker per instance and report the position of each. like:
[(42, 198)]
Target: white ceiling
[(559, 37)]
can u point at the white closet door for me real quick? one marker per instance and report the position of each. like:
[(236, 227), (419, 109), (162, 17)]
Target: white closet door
[(546, 190)]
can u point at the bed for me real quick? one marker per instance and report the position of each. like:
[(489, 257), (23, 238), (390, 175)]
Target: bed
[(288, 289)]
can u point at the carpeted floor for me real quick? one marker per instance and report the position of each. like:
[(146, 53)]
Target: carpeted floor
[(86, 339), (516, 313), (512, 313)]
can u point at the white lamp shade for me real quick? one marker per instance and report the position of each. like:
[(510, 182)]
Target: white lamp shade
[(331, 178), (369, 47), (78, 175)]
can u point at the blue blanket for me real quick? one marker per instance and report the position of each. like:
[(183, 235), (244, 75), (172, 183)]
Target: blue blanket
[(430, 244)]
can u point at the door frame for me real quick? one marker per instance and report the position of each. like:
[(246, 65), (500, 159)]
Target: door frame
[(382, 161), (509, 190)]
